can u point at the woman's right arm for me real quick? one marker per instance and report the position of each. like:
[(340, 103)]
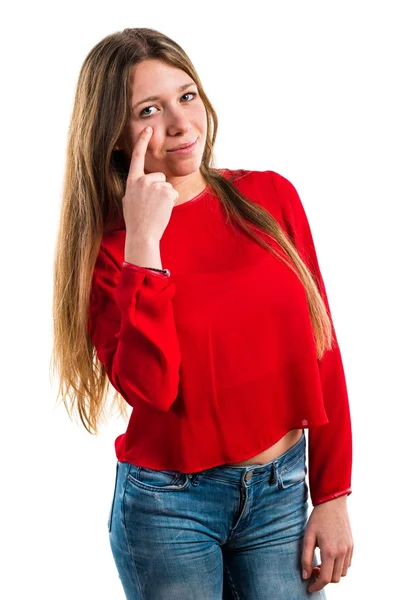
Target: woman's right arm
[(132, 327), (144, 253)]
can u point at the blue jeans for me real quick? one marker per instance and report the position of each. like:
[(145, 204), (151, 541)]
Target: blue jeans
[(223, 533)]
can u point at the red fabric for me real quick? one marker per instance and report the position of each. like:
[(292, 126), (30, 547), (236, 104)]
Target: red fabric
[(218, 359), (144, 269)]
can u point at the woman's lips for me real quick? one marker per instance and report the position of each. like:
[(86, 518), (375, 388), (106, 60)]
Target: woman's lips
[(186, 150)]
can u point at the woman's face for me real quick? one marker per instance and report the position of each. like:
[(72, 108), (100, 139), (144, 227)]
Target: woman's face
[(176, 114)]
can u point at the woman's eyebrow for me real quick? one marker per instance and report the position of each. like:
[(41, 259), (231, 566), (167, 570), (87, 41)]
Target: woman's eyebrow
[(179, 89)]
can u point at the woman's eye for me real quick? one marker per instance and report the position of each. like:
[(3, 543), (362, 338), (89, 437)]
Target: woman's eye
[(190, 94), (145, 116), (142, 112)]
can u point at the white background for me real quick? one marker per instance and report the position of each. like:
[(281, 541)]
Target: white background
[(308, 89)]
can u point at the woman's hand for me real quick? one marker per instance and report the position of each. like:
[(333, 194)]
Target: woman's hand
[(328, 527), (149, 198)]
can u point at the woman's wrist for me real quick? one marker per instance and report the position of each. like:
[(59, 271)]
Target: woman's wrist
[(144, 253)]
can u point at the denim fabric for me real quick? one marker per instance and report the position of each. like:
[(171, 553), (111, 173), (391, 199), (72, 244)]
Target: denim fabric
[(225, 533)]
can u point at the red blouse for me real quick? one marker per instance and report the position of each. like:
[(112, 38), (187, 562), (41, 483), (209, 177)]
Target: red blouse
[(218, 359)]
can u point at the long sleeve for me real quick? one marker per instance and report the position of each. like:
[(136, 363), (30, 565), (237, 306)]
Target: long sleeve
[(329, 445), (131, 325)]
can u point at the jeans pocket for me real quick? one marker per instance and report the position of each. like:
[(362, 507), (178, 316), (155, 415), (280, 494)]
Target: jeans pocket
[(293, 474), (113, 501), (154, 479)]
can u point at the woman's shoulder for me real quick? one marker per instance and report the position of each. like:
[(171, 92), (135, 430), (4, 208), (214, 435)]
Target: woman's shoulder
[(250, 176), (258, 185), (264, 186)]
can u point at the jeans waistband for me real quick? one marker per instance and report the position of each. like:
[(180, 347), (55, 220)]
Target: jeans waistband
[(244, 474)]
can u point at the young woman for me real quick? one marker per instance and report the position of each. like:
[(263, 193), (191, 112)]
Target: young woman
[(197, 293)]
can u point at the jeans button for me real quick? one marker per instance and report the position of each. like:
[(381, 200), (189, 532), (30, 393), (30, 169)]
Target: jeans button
[(248, 476)]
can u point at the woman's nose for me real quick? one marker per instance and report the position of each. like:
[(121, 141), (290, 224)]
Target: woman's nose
[(178, 121)]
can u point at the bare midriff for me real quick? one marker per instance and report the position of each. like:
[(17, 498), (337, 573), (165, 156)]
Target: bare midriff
[(281, 446)]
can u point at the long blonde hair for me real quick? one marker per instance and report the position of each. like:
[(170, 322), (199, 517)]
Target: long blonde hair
[(94, 184)]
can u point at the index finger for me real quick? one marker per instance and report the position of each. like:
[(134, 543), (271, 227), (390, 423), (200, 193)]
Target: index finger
[(136, 168), (324, 576)]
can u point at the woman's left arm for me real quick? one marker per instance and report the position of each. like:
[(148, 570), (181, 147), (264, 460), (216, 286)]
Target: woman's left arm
[(329, 445)]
